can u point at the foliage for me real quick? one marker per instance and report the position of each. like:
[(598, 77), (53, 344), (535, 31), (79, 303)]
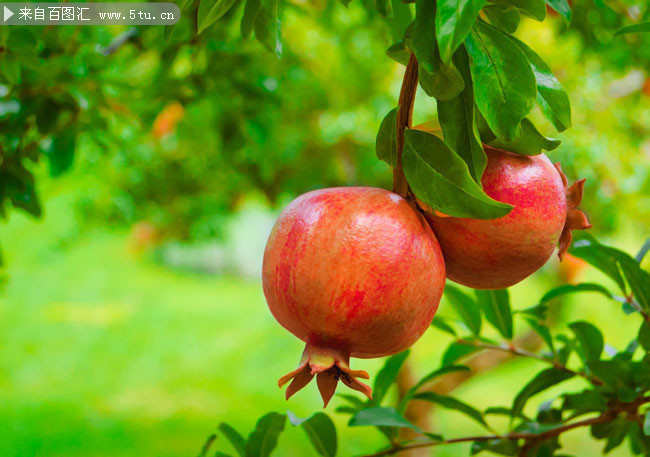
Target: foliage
[(612, 403)]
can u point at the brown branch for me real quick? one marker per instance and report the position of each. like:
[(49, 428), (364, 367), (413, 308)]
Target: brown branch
[(404, 121)]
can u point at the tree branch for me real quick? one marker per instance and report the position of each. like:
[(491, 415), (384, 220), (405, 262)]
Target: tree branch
[(404, 121)]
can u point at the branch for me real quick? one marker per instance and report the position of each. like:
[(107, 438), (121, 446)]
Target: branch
[(404, 121), (523, 353)]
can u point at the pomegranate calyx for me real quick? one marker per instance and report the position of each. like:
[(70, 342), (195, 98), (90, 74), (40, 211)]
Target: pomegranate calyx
[(575, 218), (329, 365)]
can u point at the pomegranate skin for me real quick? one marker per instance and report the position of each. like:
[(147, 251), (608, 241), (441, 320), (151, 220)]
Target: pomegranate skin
[(497, 253), (351, 271)]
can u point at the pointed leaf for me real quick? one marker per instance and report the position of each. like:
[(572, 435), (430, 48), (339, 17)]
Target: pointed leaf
[(267, 26), (262, 441), (444, 83), (636, 28), (643, 251), (496, 306), (466, 308), (381, 416), (543, 380), (441, 323), (399, 53), (587, 249), (543, 331), (573, 288), (251, 10), (530, 141), (428, 378), (644, 336), (458, 122), (386, 144), (385, 7), (387, 376), (452, 403), (238, 442), (504, 83), (210, 11), (456, 351), (441, 179), (590, 339), (551, 96), (453, 22), (61, 153), (532, 8), (321, 432), (423, 40), (562, 7)]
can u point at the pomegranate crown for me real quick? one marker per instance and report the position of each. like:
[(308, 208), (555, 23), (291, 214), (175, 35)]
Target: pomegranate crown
[(575, 218)]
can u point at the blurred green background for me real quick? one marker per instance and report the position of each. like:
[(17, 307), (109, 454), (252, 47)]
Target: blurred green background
[(132, 319)]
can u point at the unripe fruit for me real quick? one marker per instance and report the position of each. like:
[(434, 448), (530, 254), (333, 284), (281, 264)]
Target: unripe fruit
[(497, 253), (351, 271)]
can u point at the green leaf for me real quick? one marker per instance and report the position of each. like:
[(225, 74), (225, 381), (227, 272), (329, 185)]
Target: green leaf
[(458, 122), (21, 192), (590, 339), (206, 446), (61, 153), (635, 28), (381, 416), (587, 249), (321, 432), (385, 7), (441, 323), (387, 376), (267, 26), (10, 69), (170, 29), (643, 251), (646, 424), (611, 259), (456, 351), (529, 142), (503, 17), (497, 446), (428, 378), (551, 96), (584, 402), (496, 306), (466, 308), (644, 335), (453, 22), (210, 11), (562, 7), (532, 8), (386, 144), (452, 403), (423, 39), (441, 179), (504, 82), (251, 10), (573, 288), (399, 53), (444, 84), (544, 380), (264, 438), (238, 442)]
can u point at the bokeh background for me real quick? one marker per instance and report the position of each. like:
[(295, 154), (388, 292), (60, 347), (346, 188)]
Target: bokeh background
[(132, 318)]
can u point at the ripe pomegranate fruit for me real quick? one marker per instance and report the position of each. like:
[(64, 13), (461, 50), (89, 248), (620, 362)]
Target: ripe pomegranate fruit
[(497, 253), (351, 271)]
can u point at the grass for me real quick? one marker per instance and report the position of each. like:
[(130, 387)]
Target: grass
[(105, 353)]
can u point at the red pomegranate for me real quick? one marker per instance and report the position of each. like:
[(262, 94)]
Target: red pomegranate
[(351, 271), (497, 253)]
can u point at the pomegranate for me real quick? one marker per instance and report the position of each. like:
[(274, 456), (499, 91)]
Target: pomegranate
[(351, 271), (497, 253)]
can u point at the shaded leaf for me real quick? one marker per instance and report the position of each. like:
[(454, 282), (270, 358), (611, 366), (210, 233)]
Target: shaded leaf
[(399, 53), (441, 323), (466, 308), (381, 416), (644, 335), (453, 22), (503, 17), (542, 381), (590, 339), (238, 442), (458, 122), (532, 8), (643, 251), (441, 179), (456, 351), (529, 142), (251, 10), (428, 378), (496, 306), (635, 28), (210, 11), (452, 403), (497, 446), (444, 84), (562, 7), (423, 42), (321, 432), (543, 331), (646, 424), (385, 7), (585, 250), (262, 441), (551, 96), (387, 376), (267, 26), (386, 144), (61, 153)]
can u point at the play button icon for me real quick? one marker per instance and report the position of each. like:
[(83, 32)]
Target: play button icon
[(8, 13)]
